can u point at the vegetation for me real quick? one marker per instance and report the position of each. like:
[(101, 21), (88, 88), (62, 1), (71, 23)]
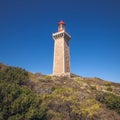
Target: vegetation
[(93, 87), (112, 101), (67, 99), (109, 89), (17, 102), (88, 108), (108, 84), (28, 96), (14, 75)]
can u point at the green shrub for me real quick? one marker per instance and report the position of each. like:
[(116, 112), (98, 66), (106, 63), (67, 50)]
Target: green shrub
[(108, 84), (109, 89), (110, 100), (48, 78), (17, 101), (14, 74), (93, 87)]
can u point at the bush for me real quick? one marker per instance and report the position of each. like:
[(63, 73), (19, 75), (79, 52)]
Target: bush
[(109, 89), (17, 101), (110, 100), (108, 84), (48, 78), (14, 74), (93, 87)]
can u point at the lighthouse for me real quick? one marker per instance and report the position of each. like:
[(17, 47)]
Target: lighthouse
[(61, 62)]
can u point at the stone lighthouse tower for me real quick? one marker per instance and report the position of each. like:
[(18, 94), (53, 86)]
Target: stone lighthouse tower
[(61, 64)]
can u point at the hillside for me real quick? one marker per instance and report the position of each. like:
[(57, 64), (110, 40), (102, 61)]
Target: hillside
[(28, 96)]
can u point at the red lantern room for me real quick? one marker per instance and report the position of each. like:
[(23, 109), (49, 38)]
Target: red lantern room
[(61, 26)]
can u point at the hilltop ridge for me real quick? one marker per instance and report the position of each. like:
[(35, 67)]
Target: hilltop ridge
[(63, 98)]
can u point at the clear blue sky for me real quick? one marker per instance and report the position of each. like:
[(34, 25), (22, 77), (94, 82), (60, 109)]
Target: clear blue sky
[(26, 28)]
